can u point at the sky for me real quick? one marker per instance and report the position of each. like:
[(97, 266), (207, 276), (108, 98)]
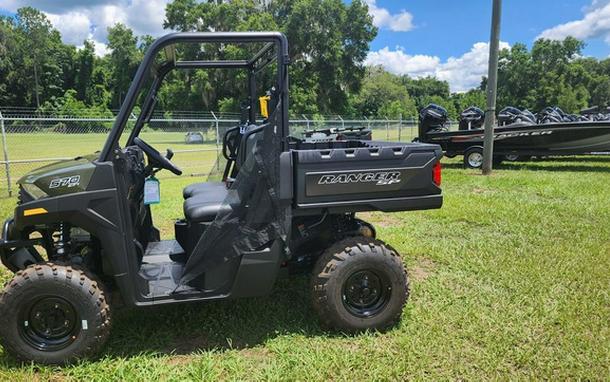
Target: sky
[(443, 38)]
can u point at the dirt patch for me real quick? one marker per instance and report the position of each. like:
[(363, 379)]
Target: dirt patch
[(381, 220), (179, 360), (256, 354), (482, 190), (422, 270)]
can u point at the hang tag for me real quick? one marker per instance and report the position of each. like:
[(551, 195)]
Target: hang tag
[(152, 191)]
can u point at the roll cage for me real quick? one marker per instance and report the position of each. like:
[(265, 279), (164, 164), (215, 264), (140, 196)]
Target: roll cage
[(253, 65)]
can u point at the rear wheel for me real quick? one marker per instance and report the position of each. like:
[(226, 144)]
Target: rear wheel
[(473, 158), (358, 284), (53, 314)]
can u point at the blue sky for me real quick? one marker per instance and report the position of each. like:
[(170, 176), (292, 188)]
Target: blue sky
[(443, 38), (449, 28)]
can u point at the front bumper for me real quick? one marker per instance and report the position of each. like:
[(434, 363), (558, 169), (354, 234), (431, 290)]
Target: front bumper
[(10, 248)]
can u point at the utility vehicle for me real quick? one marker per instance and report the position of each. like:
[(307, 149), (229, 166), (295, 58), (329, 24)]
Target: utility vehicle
[(83, 228)]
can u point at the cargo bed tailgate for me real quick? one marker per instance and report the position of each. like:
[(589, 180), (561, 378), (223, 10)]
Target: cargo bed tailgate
[(381, 176)]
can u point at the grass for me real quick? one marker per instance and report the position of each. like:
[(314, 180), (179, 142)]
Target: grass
[(510, 280)]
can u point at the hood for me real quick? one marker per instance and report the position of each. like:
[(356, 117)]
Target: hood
[(59, 178)]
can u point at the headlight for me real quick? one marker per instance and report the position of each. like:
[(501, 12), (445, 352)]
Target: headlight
[(33, 191)]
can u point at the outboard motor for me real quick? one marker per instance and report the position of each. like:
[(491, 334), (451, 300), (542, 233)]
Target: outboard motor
[(594, 113), (432, 118), (471, 118), (527, 117), (508, 116), (564, 117), (550, 115)]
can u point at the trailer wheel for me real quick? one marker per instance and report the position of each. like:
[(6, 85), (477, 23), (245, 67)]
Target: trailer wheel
[(473, 157), (358, 284), (517, 158), (53, 314)]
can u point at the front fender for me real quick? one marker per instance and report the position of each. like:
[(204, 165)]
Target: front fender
[(97, 212)]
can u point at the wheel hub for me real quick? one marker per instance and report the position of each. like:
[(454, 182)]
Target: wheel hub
[(365, 293), (49, 324), (475, 159)]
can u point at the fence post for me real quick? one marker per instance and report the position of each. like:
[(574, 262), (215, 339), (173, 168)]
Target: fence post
[(306, 120), (342, 122), (399, 126), (7, 165), (387, 129), (217, 142), (368, 123)]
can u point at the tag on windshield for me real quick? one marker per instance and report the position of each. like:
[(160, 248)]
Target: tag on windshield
[(152, 191)]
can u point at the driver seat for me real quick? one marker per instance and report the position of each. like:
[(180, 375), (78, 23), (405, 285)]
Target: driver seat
[(202, 188), (203, 207)]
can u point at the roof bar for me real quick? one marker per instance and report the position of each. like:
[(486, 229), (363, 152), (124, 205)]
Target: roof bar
[(212, 64)]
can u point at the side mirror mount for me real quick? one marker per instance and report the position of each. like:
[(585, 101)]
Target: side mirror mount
[(169, 154)]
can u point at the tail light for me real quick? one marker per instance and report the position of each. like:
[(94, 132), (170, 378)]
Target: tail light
[(436, 173)]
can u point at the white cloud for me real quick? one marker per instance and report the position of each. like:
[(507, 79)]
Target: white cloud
[(74, 26), (101, 49), (399, 62), (382, 18), (595, 23), (79, 20), (462, 73)]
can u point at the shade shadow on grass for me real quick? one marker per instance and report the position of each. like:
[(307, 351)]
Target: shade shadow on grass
[(215, 325), (191, 328)]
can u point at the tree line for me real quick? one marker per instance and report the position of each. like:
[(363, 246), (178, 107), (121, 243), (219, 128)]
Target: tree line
[(329, 41)]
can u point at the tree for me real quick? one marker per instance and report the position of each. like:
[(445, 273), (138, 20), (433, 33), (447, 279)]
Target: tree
[(329, 40), (473, 97), (36, 28), (422, 89), (383, 95), (85, 62), (551, 74), (41, 61), (124, 60), (328, 44)]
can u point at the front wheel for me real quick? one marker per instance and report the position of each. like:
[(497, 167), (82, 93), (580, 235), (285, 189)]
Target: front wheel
[(53, 314), (359, 283)]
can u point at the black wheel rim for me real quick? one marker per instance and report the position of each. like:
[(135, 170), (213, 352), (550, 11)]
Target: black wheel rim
[(49, 323), (366, 293)]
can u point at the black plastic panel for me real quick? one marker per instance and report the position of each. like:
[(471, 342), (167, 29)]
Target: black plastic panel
[(376, 176)]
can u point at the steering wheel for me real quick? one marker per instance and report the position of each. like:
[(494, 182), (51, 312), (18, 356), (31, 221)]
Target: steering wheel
[(155, 158)]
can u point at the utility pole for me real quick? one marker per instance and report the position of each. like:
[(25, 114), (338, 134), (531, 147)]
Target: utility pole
[(492, 86)]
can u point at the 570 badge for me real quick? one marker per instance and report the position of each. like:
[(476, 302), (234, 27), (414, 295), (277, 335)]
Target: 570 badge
[(68, 181)]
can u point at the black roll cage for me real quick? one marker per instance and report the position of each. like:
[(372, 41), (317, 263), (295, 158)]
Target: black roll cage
[(275, 40)]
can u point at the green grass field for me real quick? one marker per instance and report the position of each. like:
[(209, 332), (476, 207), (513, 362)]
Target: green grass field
[(510, 280)]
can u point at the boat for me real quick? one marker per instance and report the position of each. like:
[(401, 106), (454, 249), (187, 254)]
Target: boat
[(517, 140)]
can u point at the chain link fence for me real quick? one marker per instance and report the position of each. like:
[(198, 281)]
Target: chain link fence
[(32, 140)]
